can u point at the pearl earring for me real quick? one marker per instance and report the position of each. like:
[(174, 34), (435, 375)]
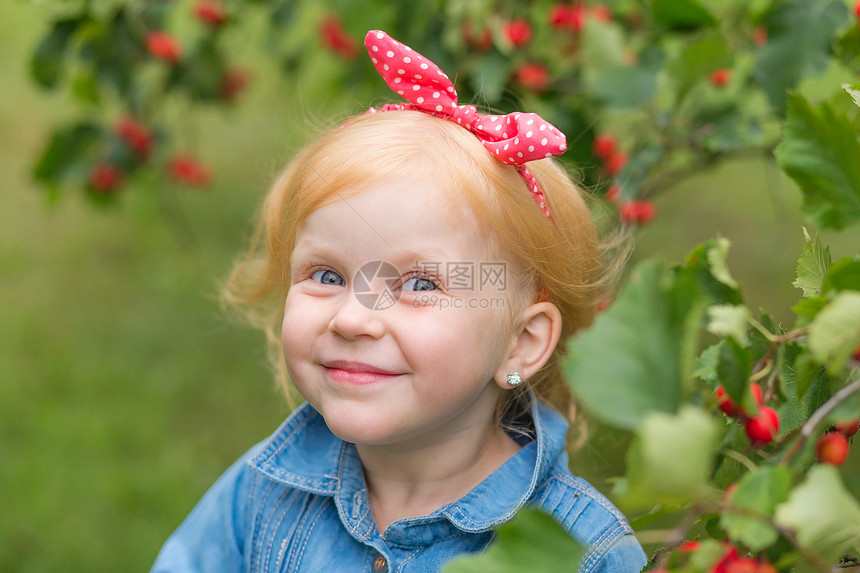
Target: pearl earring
[(514, 379)]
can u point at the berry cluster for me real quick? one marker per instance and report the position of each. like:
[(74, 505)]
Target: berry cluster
[(729, 562), (614, 159), (517, 34), (131, 145), (131, 142), (760, 429)]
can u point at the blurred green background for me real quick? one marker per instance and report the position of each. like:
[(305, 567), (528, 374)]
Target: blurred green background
[(124, 390)]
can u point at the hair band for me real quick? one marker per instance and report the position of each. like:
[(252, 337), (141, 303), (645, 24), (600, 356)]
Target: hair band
[(513, 139)]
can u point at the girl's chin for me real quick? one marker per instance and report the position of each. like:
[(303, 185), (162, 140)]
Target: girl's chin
[(364, 435)]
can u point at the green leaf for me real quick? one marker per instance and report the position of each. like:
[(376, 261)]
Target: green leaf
[(531, 541), (492, 76), (733, 132), (812, 266), (844, 274), (853, 92), (759, 492), (800, 34), (624, 86), (681, 14), (46, 65), (643, 163), (670, 459), (729, 320), (202, 72), (115, 50), (697, 60), (819, 151), (707, 262), (68, 147), (734, 368), (807, 308), (807, 371), (628, 362), (823, 514), (706, 365), (835, 333), (717, 255), (603, 47)]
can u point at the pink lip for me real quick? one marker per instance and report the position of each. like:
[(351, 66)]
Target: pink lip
[(356, 373)]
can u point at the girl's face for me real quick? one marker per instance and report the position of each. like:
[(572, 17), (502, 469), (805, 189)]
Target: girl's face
[(395, 324)]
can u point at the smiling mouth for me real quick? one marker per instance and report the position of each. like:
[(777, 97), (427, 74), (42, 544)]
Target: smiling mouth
[(357, 373)]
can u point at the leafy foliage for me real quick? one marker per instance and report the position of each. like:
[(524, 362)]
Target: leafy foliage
[(678, 85), (531, 541)]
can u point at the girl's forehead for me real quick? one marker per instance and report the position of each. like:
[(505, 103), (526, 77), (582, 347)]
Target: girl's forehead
[(408, 212)]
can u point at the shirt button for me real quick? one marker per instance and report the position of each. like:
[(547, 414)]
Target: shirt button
[(380, 564)]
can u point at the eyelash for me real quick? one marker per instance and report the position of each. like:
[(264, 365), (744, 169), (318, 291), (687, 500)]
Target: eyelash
[(419, 275), (308, 268)]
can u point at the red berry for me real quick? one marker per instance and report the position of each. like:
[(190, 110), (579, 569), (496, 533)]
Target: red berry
[(640, 211), (480, 41), (763, 428), (601, 13), (518, 32), (613, 193), (570, 17), (210, 12), (234, 81), (604, 146), (533, 76), (603, 304), (857, 8), (163, 46), (105, 178), (721, 77), (832, 448), (847, 427), (757, 394), (727, 495), (742, 565), (729, 556), (689, 546), (760, 35), (186, 169), (856, 354), (616, 162), (135, 135), (335, 37), (728, 407), (749, 565)]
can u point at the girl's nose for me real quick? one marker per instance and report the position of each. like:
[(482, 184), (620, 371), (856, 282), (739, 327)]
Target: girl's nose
[(357, 317)]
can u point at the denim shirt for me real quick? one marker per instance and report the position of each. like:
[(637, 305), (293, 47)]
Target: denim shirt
[(298, 502)]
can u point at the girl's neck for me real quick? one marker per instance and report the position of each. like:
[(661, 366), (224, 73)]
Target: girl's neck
[(417, 480)]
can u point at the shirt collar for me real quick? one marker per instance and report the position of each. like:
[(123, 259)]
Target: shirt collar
[(303, 453)]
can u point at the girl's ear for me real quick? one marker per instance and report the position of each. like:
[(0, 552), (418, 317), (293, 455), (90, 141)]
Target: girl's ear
[(536, 336)]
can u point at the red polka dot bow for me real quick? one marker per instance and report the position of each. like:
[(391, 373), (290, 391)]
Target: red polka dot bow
[(513, 139)]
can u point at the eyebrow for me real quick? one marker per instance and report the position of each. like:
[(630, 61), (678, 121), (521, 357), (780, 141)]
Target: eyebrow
[(310, 251)]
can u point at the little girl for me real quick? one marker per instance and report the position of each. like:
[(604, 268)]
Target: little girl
[(425, 282)]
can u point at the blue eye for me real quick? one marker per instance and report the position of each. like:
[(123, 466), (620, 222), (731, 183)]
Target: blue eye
[(327, 277), (419, 284)]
